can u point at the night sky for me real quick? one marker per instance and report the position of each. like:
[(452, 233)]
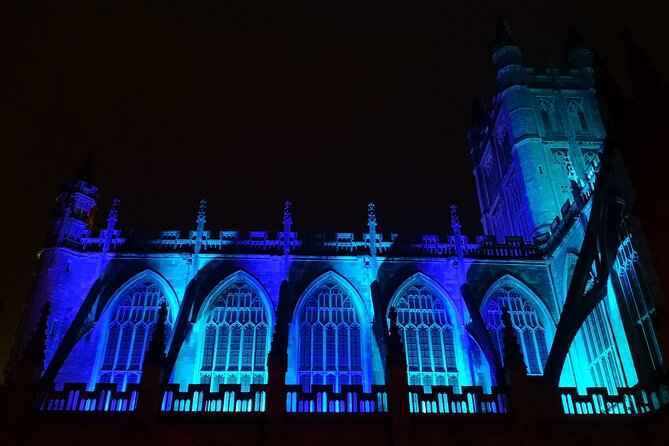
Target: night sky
[(328, 106)]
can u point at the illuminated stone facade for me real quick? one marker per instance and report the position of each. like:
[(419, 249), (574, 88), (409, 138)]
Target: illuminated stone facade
[(581, 303)]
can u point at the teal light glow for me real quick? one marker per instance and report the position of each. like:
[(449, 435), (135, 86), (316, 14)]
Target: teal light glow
[(600, 355), (331, 337)]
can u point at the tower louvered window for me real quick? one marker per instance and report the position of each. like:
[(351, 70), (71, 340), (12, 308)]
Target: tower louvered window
[(427, 335), (236, 338), (530, 334), (129, 333), (578, 121), (546, 111), (330, 339)]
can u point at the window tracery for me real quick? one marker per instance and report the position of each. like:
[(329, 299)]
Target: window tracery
[(530, 333), (129, 333), (236, 338), (427, 335), (330, 339), (640, 306)]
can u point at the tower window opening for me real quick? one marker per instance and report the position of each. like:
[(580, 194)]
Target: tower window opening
[(582, 121), (545, 119)]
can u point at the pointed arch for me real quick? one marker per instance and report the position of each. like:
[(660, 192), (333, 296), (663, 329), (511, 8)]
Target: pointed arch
[(129, 319), (437, 289), (430, 327), (147, 275), (599, 353), (235, 325), (531, 320), (331, 335), (238, 276)]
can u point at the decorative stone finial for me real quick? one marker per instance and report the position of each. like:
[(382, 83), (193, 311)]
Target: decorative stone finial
[(513, 356), (455, 219), (202, 211), (392, 315), (156, 350), (395, 354), (571, 172), (287, 213), (371, 213), (113, 213)]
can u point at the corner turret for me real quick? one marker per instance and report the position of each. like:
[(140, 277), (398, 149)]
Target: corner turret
[(75, 209), (507, 58)]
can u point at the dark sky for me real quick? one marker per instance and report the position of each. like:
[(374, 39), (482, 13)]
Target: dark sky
[(327, 105)]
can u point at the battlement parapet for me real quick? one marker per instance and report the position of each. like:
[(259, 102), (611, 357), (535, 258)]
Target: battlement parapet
[(399, 245)]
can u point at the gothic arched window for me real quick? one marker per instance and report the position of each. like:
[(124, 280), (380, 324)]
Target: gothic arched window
[(129, 333), (236, 338), (530, 334), (330, 339), (427, 335), (638, 303)]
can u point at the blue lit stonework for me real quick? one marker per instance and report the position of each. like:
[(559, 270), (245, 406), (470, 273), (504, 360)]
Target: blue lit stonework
[(326, 299)]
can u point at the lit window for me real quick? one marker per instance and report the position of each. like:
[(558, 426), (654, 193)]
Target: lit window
[(330, 343), (427, 335), (638, 303), (129, 333), (530, 334), (236, 340)]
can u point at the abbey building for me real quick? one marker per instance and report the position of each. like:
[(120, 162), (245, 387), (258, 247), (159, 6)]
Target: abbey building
[(544, 330)]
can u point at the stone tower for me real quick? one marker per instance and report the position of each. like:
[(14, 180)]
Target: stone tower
[(536, 145)]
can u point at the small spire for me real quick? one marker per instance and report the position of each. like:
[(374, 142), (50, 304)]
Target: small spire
[(113, 213), (395, 348), (202, 211), (455, 219), (513, 356), (503, 35), (571, 172), (392, 315), (287, 213), (287, 222), (156, 351), (371, 213)]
